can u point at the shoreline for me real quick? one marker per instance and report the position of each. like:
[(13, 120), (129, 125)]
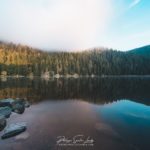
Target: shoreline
[(79, 76)]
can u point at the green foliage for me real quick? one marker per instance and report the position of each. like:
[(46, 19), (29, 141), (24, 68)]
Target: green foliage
[(24, 60)]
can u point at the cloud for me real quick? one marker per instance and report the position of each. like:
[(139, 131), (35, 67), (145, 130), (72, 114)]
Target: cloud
[(54, 24), (134, 3)]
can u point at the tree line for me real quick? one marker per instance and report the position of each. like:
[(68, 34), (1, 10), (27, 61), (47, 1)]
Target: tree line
[(26, 61)]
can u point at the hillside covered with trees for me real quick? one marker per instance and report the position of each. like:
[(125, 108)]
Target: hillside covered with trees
[(27, 61)]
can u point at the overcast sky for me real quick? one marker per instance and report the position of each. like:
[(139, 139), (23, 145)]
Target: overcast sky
[(76, 24)]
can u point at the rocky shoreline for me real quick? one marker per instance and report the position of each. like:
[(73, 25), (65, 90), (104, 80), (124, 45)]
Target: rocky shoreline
[(7, 107)]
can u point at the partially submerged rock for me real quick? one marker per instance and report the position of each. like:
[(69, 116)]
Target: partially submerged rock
[(6, 102), (13, 130), (24, 101), (2, 122), (5, 111), (6, 107), (18, 107)]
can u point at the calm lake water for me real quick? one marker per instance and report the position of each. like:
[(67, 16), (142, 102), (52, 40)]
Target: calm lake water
[(108, 113)]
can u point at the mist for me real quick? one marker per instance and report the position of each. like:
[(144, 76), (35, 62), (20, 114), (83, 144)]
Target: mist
[(55, 24)]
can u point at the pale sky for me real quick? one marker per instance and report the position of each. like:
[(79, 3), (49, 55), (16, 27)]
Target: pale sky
[(76, 24)]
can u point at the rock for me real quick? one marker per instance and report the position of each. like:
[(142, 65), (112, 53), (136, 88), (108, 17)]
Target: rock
[(26, 104), (18, 107), (5, 111), (14, 129), (6, 102), (2, 122), (9, 102), (22, 136), (23, 101)]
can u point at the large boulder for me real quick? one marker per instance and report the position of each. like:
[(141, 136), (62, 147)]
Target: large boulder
[(5, 111), (13, 130), (2, 122)]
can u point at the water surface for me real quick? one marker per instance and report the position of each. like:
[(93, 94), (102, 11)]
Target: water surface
[(113, 112)]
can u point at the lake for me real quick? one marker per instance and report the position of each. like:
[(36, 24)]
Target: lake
[(109, 113)]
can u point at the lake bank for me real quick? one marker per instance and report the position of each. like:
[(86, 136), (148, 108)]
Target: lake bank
[(77, 76)]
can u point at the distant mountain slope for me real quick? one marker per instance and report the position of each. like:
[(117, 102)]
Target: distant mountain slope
[(145, 50)]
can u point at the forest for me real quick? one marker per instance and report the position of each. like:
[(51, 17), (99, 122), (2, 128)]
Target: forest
[(21, 60)]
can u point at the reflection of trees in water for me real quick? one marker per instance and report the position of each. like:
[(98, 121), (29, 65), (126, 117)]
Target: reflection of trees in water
[(98, 90)]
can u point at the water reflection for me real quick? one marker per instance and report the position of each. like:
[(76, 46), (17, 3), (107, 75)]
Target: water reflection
[(114, 112), (130, 120), (96, 90), (121, 125)]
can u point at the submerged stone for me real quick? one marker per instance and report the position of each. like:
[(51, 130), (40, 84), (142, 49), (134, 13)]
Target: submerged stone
[(5, 111), (2, 122), (22, 136), (13, 130)]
